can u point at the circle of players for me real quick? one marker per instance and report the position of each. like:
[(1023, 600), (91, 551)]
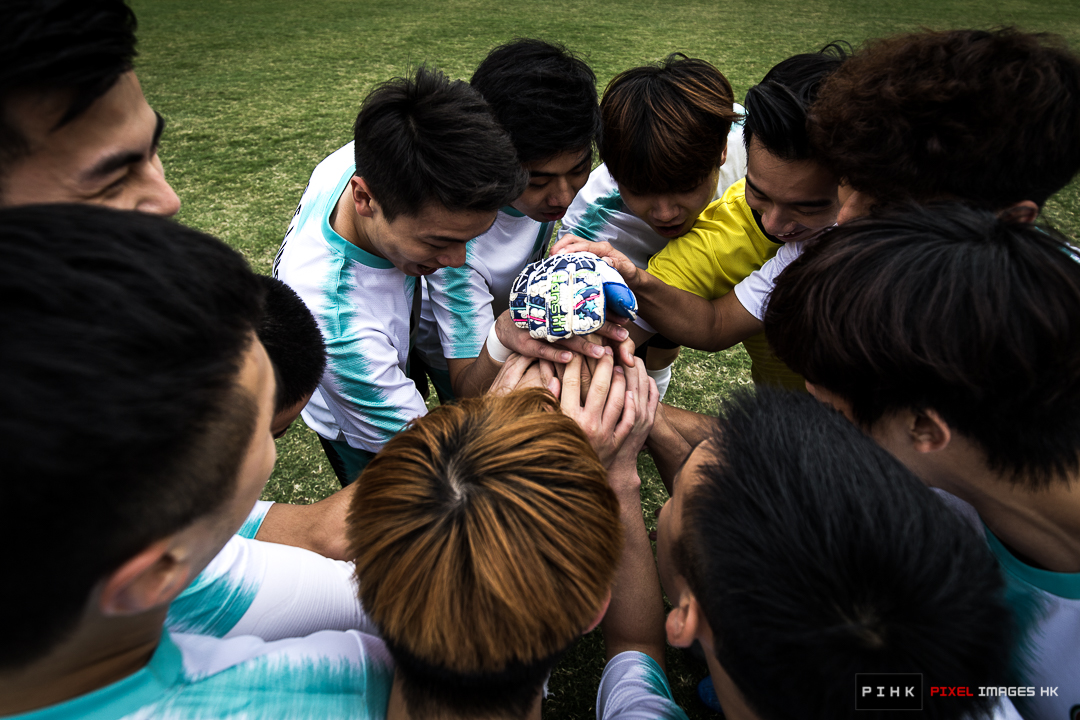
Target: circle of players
[(864, 223)]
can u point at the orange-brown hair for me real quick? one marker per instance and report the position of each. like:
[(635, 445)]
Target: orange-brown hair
[(485, 538), (666, 125)]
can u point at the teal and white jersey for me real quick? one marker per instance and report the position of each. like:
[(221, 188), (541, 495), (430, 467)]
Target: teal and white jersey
[(633, 687), (271, 591), (325, 675), (461, 304), (599, 214), (363, 306), (1046, 607)]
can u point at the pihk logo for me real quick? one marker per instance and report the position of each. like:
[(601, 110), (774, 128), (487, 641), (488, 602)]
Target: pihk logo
[(888, 691)]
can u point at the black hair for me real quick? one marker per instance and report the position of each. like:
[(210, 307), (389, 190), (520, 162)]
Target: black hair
[(123, 337), (776, 107), (816, 555), (946, 308), (543, 95), (292, 339), (425, 139), (666, 125), (990, 117), (78, 46)]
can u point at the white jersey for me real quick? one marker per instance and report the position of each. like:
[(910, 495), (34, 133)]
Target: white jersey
[(461, 304), (363, 305), (325, 675), (599, 214), (1046, 607), (753, 291), (271, 591), (633, 687)]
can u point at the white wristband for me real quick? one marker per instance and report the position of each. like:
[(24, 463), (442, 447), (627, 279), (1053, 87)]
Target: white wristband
[(496, 350)]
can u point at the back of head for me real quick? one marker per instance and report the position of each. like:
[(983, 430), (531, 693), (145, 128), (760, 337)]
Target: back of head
[(425, 140), (776, 107), (815, 555), (292, 339), (947, 308), (486, 537), (666, 125), (123, 339), (991, 118), (77, 46), (542, 95)]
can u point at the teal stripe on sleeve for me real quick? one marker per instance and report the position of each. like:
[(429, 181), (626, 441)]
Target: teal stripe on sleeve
[(597, 216), (210, 606)]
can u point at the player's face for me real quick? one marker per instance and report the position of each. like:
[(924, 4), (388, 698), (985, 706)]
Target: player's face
[(257, 380), (669, 525), (106, 156), (796, 199), (553, 184), (672, 214), (433, 238)]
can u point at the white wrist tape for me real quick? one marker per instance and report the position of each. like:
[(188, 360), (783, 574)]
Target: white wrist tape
[(498, 352)]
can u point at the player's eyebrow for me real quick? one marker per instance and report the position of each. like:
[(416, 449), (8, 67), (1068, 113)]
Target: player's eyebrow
[(112, 163), (539, 173), (800, 203)]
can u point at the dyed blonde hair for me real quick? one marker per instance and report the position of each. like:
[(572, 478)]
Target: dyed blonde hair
[(485, 535)]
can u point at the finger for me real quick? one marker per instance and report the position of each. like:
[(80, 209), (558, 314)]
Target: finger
[(600, 387), (581, 344), (547, 373), (627, 420), (613, 331), (510, 374), (570, 395), (565, 241), (614, 408), (625, 351), (542, 349)]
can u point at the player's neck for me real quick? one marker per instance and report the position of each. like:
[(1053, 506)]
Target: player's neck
[(397, 710), (348, 223), (1041, 526), (99, 652)]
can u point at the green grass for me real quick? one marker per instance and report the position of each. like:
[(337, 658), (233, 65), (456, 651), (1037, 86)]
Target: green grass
[(257, 93)]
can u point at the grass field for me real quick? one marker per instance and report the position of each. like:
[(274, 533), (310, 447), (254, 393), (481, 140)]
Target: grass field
[(257, 93)]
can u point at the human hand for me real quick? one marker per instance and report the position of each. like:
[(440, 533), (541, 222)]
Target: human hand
[(628, 270), (520, 372), (519, 341), (604, 415)]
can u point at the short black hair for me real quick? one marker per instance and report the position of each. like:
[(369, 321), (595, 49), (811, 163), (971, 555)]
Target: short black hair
[(776, 107), (78, 46), (543, 95), (292, 339), (666, 125), (123, 337), (946, 308), (816, 555), (425, 139)]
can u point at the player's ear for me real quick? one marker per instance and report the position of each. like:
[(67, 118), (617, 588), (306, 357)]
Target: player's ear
[(685, 621), (1025, 211), (723, 155), (929, 432), (361, 195), (149, 579)]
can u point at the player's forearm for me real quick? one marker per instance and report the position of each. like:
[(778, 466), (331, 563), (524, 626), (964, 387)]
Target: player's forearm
[(635, 617), (319, 527), (473, 377), (681, 316)]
